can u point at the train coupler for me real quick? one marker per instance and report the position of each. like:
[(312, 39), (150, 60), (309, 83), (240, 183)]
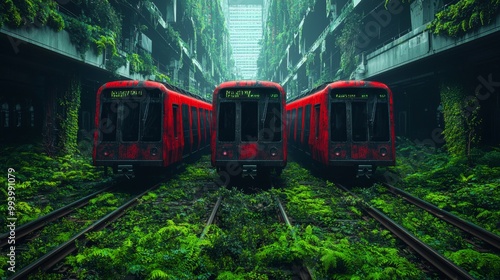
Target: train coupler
[(249, 170), (125, 169), (365, 171)]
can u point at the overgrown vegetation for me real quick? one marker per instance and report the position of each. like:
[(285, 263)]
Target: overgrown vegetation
[(464, 16), (282, 23), (26, 13), (70, 103), (469, 189), (44, 183)]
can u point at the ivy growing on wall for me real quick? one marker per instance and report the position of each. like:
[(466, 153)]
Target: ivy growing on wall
[(282, 23), (464, 16), (452, 96), (70, 104), (347, 45)]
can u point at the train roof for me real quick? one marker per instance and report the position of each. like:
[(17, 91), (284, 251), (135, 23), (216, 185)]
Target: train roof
[(341, 83), (149, 83)]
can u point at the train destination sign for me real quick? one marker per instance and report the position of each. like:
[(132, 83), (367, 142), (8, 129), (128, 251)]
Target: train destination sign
[(125, 93), (247, 93), (357, 95)]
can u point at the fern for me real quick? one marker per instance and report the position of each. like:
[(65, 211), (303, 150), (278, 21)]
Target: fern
[(159, 274)]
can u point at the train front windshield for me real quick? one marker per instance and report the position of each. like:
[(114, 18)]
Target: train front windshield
[(131, 115), (249, 114), (359, 115)]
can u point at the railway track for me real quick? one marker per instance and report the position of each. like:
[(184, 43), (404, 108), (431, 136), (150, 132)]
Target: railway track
[(442, 264), (302, 272), (53, 257), (478, 232), (26, 229)]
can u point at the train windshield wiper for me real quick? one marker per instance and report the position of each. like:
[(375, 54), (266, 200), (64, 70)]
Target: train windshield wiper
[(265, 110), (372, 118), (146, 112)]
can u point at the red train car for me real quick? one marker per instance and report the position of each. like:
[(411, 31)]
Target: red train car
[(347, 124), (146, 124), (249, 128)]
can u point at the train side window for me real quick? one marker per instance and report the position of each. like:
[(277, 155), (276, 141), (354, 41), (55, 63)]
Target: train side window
[(207, 121), (307, 122), (288, 120), (381, 123), (299, 124), (175, 112), (130, 120), (185, 120), (107, 123), (316, 120), (202, 123), (249, 121), (194, 117), (338, 124), (292, 128), (227, 121), (359, 121)]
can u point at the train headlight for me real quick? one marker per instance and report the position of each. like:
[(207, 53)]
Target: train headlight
[(106, 153), (154, 151), (337, 152), (273, 151), (224, 153), (383, 152)]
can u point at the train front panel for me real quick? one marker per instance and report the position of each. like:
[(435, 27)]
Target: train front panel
[(361, 126), (249, 127)]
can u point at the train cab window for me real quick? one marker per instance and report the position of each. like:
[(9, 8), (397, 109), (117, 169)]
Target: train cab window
[(359, 121), (338, 125), (175, 112), (380, 129), (151, 121), (249, 121), (272, 126), (108, 122), (130, 116), (227, 121)]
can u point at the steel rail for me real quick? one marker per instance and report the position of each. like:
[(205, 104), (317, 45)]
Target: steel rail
[(212, 216), (307, 275), (486, 236), (441, 263), (59, 253), (30, 227)]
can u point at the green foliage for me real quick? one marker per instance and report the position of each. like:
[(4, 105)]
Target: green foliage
[(43, 183), (283, 21), (452, 97), (479, 265), (70, 103), (347, 45), (464, 16), (28, 12)]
